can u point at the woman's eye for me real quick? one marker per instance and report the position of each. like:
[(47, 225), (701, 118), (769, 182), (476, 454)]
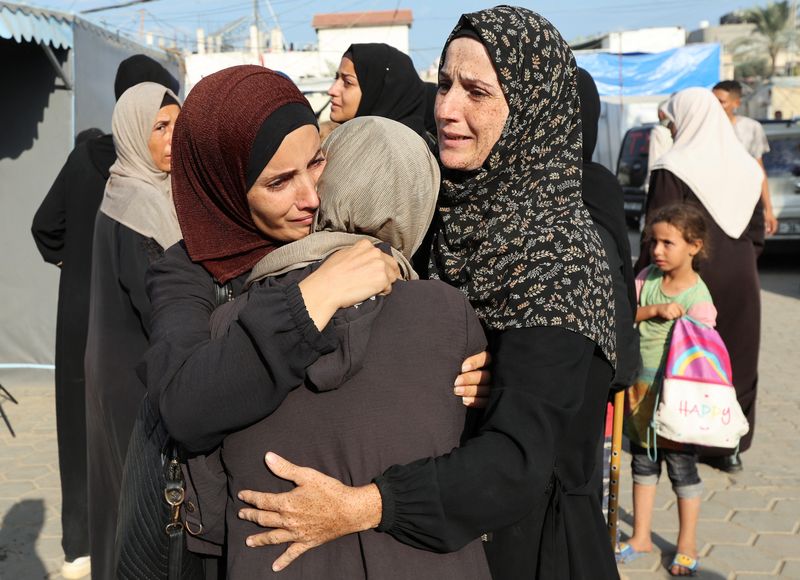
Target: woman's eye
[(318, 161), (443, 87), (276, 184)]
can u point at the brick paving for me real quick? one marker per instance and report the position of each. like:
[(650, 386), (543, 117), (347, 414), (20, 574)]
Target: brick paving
[(749, 524)]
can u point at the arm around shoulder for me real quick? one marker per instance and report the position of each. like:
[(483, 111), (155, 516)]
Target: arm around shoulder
[(207, 388)]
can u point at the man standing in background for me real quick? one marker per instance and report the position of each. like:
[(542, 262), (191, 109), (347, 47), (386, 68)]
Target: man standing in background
[(751, 134)]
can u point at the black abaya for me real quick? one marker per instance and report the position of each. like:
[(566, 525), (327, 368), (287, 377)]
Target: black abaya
[(62, 229), (732, 278), (119, 323), (604, 199)]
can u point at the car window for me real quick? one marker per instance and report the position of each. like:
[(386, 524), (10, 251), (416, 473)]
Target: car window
[(783, 158), (632, 166)]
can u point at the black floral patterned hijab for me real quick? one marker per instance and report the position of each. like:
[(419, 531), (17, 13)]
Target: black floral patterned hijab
[(514, 235)]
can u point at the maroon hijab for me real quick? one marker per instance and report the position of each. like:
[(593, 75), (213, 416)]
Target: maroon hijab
[(212, 150)]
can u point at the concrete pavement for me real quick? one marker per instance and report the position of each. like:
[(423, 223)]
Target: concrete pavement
[(749, 523)]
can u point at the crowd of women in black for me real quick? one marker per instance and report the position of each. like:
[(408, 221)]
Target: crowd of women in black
[(260, 341)]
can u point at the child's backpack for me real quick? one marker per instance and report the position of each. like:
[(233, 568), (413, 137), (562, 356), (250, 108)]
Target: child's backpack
[(697, 401)]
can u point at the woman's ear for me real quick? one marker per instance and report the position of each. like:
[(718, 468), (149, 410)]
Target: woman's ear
[(695, 247)]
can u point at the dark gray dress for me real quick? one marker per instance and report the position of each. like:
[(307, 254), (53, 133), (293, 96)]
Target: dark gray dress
[(119, 321), (383, 397)]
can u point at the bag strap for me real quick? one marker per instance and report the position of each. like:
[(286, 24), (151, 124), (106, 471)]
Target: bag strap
[(652, 432), (223, 293), (174, 493), (652, 428)]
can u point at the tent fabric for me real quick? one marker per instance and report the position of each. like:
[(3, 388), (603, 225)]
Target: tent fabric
[(40, 125), (22, 23), (660, 73)]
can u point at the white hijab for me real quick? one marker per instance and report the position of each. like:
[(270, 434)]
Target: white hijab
[(138, 194), (708, 157)]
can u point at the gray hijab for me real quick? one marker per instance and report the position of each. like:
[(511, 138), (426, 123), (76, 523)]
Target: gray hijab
[(138, 194), (380, 183)]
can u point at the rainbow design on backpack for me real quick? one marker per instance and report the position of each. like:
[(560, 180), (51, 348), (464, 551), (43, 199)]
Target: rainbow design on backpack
[(681, 365), (697, 353)]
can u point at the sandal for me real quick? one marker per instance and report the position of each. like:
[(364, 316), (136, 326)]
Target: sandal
[(684, 561), (627, 554)]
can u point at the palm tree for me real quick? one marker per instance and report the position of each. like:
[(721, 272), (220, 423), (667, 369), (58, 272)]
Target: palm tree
[(772, 23)]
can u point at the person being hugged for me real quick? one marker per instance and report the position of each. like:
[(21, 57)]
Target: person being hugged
[(667, 289)]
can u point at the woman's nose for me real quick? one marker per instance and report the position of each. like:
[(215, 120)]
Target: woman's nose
[(445, 107), (307, 197), (333, 89)]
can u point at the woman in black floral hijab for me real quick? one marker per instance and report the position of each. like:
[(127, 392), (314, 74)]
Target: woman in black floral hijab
[(515, 237)]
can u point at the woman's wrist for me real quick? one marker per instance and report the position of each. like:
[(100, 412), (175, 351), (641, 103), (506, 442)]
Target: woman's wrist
[(366, 508), (317, 298)]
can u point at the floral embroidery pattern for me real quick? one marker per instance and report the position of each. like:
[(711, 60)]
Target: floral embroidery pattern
[(514, 235)]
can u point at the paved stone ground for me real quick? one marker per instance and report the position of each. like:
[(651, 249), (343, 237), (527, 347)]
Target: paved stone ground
[(748, 526)]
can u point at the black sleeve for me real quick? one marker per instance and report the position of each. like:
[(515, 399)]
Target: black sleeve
[(476, 337), (136, 253), (50, 220), (628, 355), (499, 475), (208, 388)]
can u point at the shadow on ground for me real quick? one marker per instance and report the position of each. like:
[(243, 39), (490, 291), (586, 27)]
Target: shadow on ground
[(21, 527), (667, 550), (780, 273)]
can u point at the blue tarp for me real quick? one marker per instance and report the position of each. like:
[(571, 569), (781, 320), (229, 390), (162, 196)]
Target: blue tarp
[(660, 73)]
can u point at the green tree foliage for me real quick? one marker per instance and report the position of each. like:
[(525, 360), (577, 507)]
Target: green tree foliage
[(772, 23)]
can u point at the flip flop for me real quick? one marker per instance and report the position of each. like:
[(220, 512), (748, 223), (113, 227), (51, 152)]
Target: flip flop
[(684, 561), (627, 554)]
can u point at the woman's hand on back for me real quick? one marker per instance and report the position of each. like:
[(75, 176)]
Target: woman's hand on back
[(346, 278), (318, 510), (475, 381)]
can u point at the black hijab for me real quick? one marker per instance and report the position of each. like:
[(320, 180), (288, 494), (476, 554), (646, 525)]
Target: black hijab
[(601, 191), (390, 85), (514, 235), (136, 69), (140, 68), (430, 100)]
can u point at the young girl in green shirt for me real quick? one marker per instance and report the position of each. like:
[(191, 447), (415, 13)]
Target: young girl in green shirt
[(667, 289)]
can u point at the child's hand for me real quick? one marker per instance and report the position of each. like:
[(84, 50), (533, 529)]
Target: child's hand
[(670, 311)]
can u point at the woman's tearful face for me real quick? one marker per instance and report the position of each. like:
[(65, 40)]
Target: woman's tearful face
[(284, 198), (471, 109)]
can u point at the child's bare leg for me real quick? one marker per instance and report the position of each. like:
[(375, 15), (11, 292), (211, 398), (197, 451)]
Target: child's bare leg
[(688, 514), (644, 498)]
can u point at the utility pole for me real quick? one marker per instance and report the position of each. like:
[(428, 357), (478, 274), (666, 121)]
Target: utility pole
[(277, 34), (141, 22), (257, 24), (792, 37)]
